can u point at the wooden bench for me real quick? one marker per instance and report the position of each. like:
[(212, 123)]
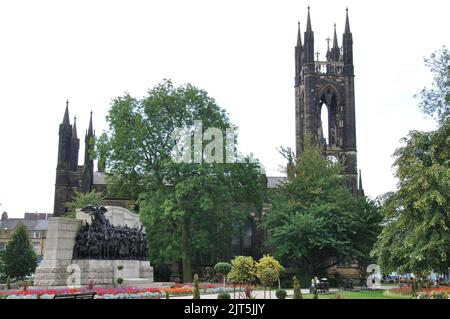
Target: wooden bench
[(84, 295)]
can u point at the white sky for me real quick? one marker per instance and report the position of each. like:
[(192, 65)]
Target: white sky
[(241, 52)]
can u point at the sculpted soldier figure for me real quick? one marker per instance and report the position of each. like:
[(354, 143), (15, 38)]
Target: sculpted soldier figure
[(101, 240)]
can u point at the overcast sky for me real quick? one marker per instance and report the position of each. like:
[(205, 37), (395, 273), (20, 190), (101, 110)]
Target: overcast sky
[(241, 52)]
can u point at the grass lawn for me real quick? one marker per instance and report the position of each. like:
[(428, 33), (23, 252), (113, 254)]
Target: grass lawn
[(365, 294)]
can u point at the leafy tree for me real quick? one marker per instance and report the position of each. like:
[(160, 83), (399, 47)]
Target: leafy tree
[(268, 271), (243, 273), (188, 209), (19, 257), (315, 219), (81, 200), (416, 236), (435, 102)]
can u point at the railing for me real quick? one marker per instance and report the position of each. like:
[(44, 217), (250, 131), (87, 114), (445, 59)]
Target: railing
[(327, 67)]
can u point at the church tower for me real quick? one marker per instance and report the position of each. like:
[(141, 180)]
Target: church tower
[(70, 177), (329, 84), (63, 191)]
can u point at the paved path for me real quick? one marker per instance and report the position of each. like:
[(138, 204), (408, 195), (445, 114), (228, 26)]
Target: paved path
[(259, 294)]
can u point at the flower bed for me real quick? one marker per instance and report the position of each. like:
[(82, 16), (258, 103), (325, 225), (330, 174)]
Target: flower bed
[(424, 293), (111, 293)]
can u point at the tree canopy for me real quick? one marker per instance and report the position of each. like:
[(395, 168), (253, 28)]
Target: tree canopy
[(315, 219), (416, 235), (19, 259), (189, 208)]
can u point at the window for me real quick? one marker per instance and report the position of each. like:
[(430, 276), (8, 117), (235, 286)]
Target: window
[(2, 246), (36, 234)]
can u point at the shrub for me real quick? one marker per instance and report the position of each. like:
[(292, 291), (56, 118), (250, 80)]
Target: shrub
[(167, 295), (243, 272), (120, 267), (8, 283), (119, 280), (315, 294), (223, 269), (439, 295), (224, 295), (196, 289), (281, 294), (297, 289), (268, 271)]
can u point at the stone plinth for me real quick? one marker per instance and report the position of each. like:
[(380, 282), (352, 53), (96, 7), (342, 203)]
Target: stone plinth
[(58, 269), (58, 252)]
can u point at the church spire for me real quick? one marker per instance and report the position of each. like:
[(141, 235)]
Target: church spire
[(335, 41), (347, 23), (74, 128), (299, 37), (66, 120), (335, 51), (90, 129), (347, 45), (308, 23), (309, 46)]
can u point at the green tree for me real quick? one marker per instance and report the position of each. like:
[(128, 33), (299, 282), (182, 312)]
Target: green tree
[(435, 101), (416, 235), (19, 257), (81, 200), (315, 221), (268, 271), (188, 209)]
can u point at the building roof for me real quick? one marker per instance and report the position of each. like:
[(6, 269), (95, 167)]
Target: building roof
[(11, 223), (274, 181)]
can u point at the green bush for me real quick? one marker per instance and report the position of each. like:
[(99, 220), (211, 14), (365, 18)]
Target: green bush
[(119, 280), (224, 295), (222, 268), (280, 293), (196, 289), (120, 267), (297, 289), (167, 295), (8, 283), (439, 295)]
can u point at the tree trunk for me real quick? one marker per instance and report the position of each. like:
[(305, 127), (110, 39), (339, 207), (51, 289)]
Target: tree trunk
[(186, 251)]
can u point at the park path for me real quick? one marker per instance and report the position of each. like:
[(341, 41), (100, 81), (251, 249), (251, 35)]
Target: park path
[(259, 294)]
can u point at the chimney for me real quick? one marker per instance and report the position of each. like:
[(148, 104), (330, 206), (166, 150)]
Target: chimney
[(4, 216)]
